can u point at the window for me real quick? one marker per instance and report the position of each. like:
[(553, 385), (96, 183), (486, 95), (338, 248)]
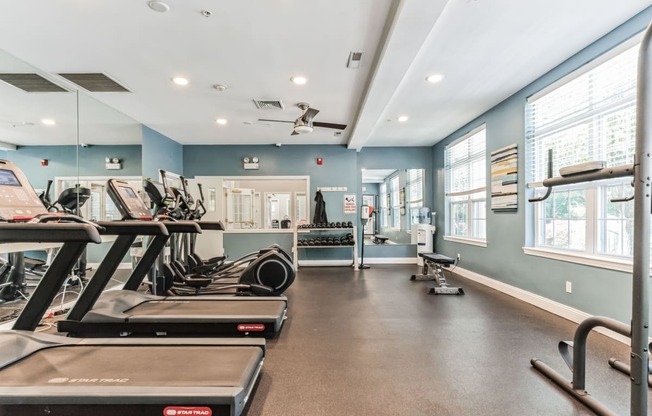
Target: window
[(466, 186), (384, 211), (589, 115), (395, 190), (415, 188)]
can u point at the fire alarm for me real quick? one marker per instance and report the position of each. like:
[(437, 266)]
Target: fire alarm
[(320, 161), (44, 162)]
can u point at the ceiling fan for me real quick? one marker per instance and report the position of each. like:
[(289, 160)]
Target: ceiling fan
[(304, 123)]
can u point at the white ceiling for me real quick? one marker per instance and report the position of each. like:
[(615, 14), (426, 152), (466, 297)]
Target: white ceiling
[(486, 50)]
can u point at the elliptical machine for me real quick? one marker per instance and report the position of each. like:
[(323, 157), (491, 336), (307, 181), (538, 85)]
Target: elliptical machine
[(187, 273)]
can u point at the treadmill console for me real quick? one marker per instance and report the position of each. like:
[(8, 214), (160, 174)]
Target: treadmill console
[(18, 201), (126, 198)]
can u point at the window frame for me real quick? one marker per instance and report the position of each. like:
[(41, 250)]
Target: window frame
[(470, 193), (595, 192)]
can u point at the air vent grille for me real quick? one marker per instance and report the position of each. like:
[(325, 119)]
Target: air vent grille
[(31, 83), (269, 104), (95, 82), (354, 60)]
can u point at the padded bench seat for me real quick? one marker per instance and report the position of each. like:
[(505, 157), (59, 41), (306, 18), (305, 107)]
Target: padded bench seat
[(437, 258)]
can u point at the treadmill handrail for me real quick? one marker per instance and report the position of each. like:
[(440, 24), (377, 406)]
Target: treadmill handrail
[(211, 225), (182, 226), (133, 228), (49, 233)]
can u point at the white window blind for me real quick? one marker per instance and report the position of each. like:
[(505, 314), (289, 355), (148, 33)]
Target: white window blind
[(384, 212), (395, 201), (592, 117), (415, 188), (465, 165)]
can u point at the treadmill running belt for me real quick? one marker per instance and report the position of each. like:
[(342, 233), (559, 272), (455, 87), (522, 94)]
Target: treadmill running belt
[(211, 310), (75, 366)]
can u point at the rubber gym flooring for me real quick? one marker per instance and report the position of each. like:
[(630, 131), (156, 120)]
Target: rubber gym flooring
[(374, 343)]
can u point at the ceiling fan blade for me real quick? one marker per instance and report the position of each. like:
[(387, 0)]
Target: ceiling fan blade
[(309, 115), (276, 121), (329, 125), (294, 133)]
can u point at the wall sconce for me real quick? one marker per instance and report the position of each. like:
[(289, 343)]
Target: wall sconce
[(112, 163), (250, 163), (44, 162)]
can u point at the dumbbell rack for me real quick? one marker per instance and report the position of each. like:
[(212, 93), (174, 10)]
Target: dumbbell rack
[(296, 246)]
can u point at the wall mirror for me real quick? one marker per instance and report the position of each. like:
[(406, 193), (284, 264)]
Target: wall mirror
[(37, 111), (260, 203), (397, 198)]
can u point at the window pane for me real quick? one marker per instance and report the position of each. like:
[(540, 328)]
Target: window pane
[(560, 236), (577, 234), (615, 221), (460, 220)]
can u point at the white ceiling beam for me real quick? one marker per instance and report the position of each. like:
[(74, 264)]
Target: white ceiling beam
[(413, 22), (7, 146)]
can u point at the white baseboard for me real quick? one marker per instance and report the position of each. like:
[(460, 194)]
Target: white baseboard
[(123, 266), (325, 263), (559, 309), (391, 260)]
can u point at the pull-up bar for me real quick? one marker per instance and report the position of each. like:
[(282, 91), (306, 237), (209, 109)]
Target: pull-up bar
[(641, 170)]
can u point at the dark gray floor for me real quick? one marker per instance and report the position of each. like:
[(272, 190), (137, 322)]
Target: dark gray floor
[(374, 343)]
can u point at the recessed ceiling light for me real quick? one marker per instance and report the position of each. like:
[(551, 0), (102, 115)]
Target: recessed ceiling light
[(299, 80), (402, 119), (158, 6), (221, 121), (48, 122), (434, 78), (180, 80), (220, 87)]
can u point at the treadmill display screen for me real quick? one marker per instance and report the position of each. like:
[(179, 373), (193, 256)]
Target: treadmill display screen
[(132, 202), (18, 201), (129, 192), (8, 178)]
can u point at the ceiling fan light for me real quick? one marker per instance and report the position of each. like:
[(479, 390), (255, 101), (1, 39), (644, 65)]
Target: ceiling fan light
[(303, 129)]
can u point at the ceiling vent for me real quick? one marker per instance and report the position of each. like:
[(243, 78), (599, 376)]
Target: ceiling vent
[(269, 104), (96, 82), (354, 60), (31, 83)]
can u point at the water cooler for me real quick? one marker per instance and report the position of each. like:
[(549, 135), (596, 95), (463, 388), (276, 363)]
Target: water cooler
[(423, 234)]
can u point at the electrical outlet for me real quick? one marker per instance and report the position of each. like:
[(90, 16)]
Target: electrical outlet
[(459, 257), (569, 287)]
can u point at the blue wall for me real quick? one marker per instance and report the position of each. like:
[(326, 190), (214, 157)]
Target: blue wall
[(160, 152), (338, 169), (595, 290), (62, 161)]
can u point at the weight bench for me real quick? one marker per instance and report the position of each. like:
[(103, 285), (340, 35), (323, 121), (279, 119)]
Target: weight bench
[(380, 239), (433, 269)]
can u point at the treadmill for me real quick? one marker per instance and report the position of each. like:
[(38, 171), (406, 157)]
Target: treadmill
[(44, 374), (128, 312)]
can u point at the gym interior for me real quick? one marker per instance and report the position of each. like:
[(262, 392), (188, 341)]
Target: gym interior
[(387, 207)]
